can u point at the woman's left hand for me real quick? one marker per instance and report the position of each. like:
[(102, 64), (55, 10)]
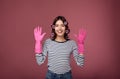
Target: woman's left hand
[(80, 38)]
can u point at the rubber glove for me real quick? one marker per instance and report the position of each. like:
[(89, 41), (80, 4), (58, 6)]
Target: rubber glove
[(38, 38), (81, 37)]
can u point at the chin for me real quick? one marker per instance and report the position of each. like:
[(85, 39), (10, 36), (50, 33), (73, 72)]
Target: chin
[(60, 35)]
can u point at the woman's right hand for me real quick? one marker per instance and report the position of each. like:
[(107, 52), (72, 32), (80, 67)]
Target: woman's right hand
[(38, 34), (38, 38)]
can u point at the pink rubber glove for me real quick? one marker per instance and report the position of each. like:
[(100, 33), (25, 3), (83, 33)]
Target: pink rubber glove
[(38, 38), (81, 37)]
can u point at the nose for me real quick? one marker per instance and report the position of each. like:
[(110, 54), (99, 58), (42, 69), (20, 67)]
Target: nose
[(59, 27)]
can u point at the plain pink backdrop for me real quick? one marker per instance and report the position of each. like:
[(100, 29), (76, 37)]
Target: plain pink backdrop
[(99, 17)]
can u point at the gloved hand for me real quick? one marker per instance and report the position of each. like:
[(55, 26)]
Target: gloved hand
[(81, 37), (38, 38)]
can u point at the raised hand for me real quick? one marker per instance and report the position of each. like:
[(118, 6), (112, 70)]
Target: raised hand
[(38, 34), (38, 38), (81, 35), (80, 38)]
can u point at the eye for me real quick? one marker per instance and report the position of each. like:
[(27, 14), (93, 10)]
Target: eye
[(62, 25), (56, 25)]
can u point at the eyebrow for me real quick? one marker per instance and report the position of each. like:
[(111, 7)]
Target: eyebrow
[(59, 24)]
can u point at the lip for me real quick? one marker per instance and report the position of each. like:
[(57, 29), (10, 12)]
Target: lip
[(59, 31)]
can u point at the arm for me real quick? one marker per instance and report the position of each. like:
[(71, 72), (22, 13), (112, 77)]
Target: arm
[(79, 58), (81, 37), (40, 55)]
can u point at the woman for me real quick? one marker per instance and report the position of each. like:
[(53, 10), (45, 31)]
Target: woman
[(59, 48)]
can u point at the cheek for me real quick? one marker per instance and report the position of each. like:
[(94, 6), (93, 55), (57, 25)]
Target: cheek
[(56, 28), (63, 28)]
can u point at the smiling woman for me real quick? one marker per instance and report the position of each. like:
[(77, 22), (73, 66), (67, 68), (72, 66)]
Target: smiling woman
[(101, 19), (59, 48), (59, 29), (60, 24)]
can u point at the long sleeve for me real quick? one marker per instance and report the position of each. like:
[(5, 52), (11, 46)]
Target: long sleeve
[(40, 58), (78, 58)]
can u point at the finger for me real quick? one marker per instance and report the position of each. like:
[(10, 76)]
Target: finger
[(40, 30), (82, 31), (35, 29), (43, 35)]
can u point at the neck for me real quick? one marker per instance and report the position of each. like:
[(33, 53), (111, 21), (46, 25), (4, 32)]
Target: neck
[(60, 39)]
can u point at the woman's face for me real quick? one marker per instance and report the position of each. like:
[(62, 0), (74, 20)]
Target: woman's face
[(60, 28)]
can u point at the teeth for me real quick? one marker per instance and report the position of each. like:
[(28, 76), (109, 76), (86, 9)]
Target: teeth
[(60, 31)]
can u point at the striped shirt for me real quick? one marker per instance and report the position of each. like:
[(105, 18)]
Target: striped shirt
[(59, 55)]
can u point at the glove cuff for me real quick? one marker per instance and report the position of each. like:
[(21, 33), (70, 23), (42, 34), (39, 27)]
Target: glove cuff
[(81, 48), (38, 47)]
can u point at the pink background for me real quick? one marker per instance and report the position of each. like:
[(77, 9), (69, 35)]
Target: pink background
[(99, 17)]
